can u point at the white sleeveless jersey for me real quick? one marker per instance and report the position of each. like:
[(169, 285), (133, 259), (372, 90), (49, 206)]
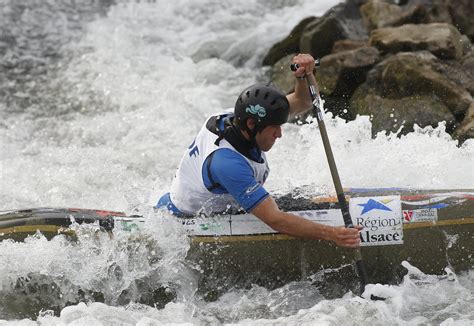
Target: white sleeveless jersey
[(188, 192)]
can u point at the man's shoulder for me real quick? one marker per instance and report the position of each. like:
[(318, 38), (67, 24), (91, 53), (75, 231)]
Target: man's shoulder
[(227, 154), (229, 160)]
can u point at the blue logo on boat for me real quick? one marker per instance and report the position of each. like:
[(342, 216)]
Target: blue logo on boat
[(371, 205), (256, 109)]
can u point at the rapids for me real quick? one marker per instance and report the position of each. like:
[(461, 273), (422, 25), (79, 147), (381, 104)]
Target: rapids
[(99, 99)]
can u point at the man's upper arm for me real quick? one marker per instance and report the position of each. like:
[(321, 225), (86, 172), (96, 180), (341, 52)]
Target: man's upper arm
[(234, 173)]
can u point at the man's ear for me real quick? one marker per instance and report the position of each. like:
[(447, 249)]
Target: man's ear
[(250, 123)]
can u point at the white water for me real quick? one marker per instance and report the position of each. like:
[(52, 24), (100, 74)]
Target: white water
[(146, 76)]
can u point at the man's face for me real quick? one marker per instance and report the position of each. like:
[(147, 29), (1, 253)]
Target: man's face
[(267, 137)]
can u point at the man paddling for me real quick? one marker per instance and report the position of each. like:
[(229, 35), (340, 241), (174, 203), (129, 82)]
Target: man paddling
[(225, 167)]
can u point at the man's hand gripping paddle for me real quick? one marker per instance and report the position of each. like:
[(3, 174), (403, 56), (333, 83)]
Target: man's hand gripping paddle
[(359, 263)]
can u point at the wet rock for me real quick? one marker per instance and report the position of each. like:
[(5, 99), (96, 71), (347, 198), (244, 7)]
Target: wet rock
[(341, 22), (466, 129), (443, 40), (424, 69), (281, 77), (410, 88), (399, 115), (467, 63), (342, 72)]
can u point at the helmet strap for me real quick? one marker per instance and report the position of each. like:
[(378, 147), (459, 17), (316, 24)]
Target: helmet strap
[(253, 135), (251, 132)]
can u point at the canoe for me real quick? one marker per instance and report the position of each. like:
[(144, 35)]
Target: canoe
[(431, 229)]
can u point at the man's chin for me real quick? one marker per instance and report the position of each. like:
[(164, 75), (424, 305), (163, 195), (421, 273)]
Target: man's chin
[(266, 149)]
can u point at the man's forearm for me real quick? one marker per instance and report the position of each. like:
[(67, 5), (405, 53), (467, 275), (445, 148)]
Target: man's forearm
[(297, 226)]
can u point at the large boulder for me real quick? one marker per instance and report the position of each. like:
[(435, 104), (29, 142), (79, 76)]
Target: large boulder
[(338, 76), (466, 129), (443, 40), (410, 88), (289, 45), (462, 14), (467, 63), (400, 115), (347, 45), (282, 78), (342, 72), (341, 22), (456, 12), (436, 11), (379, 13)]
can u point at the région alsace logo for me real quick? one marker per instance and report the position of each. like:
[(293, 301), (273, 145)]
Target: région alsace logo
[(381, 218)]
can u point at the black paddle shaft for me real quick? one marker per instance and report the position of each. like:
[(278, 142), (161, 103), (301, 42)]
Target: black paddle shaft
[(317, 112)]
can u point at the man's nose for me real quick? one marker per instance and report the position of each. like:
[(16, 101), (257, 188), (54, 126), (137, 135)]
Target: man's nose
[(278, 132)]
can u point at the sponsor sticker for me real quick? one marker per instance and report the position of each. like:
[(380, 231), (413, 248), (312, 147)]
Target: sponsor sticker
[(207, 226), (325, 216), (420, 215), (252, 188), (381, 218)]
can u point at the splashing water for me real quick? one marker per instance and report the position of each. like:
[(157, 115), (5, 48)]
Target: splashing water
[(99, 101)]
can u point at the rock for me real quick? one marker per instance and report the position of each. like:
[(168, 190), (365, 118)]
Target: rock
[(347, 45), (282, 78), (379, 13), (417, 66), (466, 44), (458, 73), (462, 14), (375, 13), (341, 22), (456, 12), (436, 11), (410, 87), (338, 76), (291, 44), (443, 40), (409, 74), (341, 73), (467, 63), (400, 115), (466, 129)]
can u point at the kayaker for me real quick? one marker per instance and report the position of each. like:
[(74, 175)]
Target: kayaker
[(224, 168)]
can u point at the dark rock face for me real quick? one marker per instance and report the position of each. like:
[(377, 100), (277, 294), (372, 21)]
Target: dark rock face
[(401, 62), (341, 72), (291, 44), (462, 13), (341, 22), (410, 88)]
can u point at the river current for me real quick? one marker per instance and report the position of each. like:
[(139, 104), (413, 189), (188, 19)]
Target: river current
[(99, 99)]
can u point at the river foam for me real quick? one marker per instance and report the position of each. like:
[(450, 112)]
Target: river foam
[(107, 130)]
